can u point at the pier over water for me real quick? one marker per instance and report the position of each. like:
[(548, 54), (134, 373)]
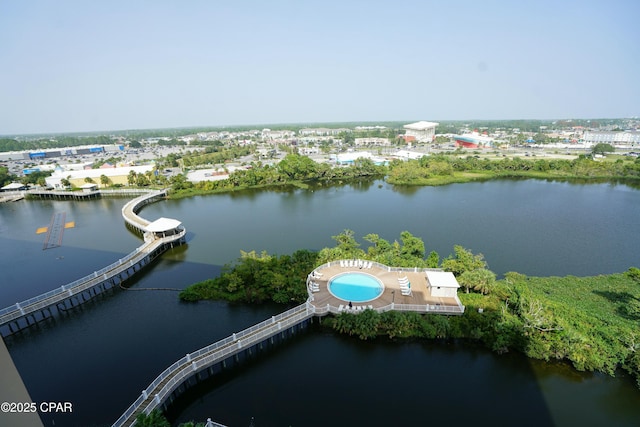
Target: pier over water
[(158, 237)]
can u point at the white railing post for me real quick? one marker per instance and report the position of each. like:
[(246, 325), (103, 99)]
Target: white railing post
[(194, 366), (157, 399), (188, 357), (279, 325), (145, 395)]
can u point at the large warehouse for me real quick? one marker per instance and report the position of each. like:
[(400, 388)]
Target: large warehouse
[(422, 131)]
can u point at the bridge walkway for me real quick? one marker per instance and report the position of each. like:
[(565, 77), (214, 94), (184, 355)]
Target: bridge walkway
[(162, 387)]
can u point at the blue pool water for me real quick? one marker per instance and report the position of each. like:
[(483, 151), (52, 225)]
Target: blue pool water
[(355, 287)]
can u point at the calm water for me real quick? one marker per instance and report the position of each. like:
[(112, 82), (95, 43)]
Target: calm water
[(102, 357)]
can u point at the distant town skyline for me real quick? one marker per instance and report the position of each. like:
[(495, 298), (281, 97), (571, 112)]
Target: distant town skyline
[(71, 66)]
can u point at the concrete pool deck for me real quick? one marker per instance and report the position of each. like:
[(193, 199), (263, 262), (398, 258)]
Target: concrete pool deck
[(421, 294)]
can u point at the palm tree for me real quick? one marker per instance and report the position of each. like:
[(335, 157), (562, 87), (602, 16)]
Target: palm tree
[(104, 180)]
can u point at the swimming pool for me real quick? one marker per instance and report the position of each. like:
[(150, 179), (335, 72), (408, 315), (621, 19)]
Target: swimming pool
[(355, 287)]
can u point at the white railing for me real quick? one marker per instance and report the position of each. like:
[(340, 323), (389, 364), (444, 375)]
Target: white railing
[(379, 265), (130, 208), (44, 300), (41, 301), (200, 359), (211, 354)]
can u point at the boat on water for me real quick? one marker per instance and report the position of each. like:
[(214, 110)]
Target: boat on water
[(473, 140)]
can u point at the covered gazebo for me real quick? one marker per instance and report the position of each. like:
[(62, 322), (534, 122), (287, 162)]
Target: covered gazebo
[(442, 284), (163, 227)]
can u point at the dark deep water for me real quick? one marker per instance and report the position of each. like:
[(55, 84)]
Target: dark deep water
[(102, 356)]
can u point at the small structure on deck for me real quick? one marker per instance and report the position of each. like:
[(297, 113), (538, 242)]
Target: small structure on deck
[(89, 187), (442, 283), (163, 227), (14, 186)]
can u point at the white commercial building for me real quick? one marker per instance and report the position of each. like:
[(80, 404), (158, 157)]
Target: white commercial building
[(422, 131), (625, 137)]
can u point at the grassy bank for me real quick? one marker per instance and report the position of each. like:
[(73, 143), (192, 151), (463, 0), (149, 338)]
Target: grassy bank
[(591, 322)]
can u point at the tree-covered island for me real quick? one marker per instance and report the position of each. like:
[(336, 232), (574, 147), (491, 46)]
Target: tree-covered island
[(592, 322)]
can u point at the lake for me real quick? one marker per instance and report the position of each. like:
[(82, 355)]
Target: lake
[(103, 355)]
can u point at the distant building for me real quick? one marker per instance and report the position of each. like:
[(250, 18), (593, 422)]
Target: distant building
[(322, 131), (77, 177), (422, 131), (372, 141), (626, 137)]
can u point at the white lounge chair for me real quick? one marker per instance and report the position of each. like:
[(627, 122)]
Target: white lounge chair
[(342, 263), (403, 279), (369, 264), (340, 308), (370, 307), (405, 292)]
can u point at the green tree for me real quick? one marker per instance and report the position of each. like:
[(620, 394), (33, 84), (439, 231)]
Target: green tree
[(602, 148), (5, 176), (131, 178), (433, 260), (104, 180), (464, 260), (347, 244), (154, 419), (480, 279), (412, 247)]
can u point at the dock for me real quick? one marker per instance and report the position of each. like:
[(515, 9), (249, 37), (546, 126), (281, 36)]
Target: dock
[(53, 239), (25, 314)]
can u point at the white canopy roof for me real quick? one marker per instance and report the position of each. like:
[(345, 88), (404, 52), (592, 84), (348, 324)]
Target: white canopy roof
[(13, 186), (443, 279), (422, 125), (163, 224)]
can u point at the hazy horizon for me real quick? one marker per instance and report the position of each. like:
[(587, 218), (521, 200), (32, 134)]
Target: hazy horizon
[(73, 67)]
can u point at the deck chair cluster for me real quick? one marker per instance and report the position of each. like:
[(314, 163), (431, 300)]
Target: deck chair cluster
[(355, 263), (405, 285)]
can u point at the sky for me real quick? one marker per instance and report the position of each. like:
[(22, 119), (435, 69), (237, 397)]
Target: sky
[(78, 66)]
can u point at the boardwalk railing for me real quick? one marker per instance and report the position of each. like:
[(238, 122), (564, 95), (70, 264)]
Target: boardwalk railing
[(130, 209), (201, 359), (420, 308), (172, 377), (382, 266), (66, 291)]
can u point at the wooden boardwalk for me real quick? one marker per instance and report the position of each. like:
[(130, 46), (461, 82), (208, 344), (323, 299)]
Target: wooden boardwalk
[(53, 239), (134, 261), (176, 374)]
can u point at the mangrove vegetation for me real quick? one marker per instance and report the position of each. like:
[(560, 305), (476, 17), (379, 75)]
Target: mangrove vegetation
[(591, 322)]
